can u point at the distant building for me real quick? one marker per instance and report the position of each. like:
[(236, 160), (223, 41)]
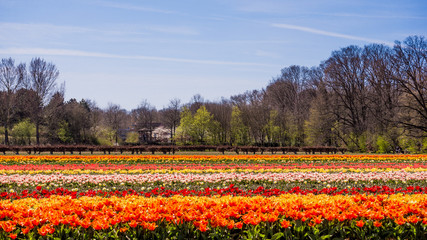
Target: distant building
[(123, 132), (156, 134)]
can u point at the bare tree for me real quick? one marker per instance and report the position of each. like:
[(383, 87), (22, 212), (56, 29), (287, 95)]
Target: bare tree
[(171, 115), (384, 90), (11, 79), (77, 116), (221, 112), (115, 118), (384, 94), (255, 113), (346, 76), (195, 103), (43, 78), (144, 117), (56, 112), (318, 127), (410, 60), (291, 95), (95, 117)]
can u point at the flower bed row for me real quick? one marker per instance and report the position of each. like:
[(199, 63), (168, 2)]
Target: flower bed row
[(206, 171), (212, 178), (210, 167), (232, 190), (288, 216), (106, 184), (208, 158)]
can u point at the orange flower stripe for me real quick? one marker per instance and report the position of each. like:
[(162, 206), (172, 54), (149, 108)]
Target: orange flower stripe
[(133, 158), (205, 212)]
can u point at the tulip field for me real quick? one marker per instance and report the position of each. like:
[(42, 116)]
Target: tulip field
[(213, 196)]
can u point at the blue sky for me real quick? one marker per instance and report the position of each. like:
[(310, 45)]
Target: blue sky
[(126, 51)]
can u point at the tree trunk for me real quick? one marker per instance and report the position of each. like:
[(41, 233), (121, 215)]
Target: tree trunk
[(6, 134), (37, 133)]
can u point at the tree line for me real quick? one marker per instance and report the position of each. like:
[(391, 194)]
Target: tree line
[(369, 99)]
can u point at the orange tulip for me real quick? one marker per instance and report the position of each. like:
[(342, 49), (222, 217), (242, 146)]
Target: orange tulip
[(285, 224), (360, 223), (377, 224)]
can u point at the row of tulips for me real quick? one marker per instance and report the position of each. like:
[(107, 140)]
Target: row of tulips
[(213, 165), (206, 171), (153, 169), (287, 216), (37, 179), (199, 186), (207, 158), (40, 192)]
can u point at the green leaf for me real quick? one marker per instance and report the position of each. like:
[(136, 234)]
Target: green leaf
[(277, 236), (325, 236)]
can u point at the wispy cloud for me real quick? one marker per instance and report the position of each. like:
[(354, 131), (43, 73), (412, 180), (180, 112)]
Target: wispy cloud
[(78, 53), (262, 53), (51, 30), (18, 34), (392, 16), (219, 42), (133, 7), (265, 6), (172, 30), (330, 34), (36, 27)]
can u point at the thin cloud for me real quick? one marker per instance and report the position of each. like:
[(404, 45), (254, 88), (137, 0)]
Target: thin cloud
[(372, 16), (172, 30), (36, 27), (77, 53), (264, 6), (330, 34), (134, 8), (262, 53), (57, 30), (17, 34)]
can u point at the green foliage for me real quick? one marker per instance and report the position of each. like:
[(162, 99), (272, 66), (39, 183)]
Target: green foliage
[(424, 147), (312, 132), (239, 132), (1, 134), (202, 122), (383, 145), (357, 143), (23, 131), (351, 142), (184, 131), (64, 133), (197, 129), (413, 145), (362, 143), (132, 138), (294, 134), (215, 131), (105, 136), (271, 129)]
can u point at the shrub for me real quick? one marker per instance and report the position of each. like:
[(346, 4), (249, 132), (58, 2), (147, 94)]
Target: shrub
[(383, 145)]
